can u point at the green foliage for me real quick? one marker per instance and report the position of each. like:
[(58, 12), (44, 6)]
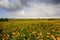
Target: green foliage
[(29, 29)]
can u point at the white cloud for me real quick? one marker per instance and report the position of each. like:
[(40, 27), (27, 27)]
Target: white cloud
[(14, 5), (16, 9), (44, 10)]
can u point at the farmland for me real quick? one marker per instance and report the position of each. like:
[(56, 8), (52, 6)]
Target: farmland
[(34, 29)]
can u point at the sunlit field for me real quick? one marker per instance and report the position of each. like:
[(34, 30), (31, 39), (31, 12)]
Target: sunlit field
[(30, 29)]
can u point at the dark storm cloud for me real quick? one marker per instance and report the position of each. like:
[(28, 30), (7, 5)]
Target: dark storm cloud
[(14, 5), (24, 2), (50, 1)]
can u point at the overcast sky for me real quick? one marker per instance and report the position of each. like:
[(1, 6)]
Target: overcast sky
[(29, 8)]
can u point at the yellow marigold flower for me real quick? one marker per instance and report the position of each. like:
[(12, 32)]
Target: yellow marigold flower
[(47, 33), (40, 33), (53, 37), (33, 32), (52, 29), (24, 35), (13, 33), (29, 34), (58, 35), (28, 38), (58, 38), (38, 37), (47, 36), (21, 35), (8, 36), (18, 33), (3, 38)]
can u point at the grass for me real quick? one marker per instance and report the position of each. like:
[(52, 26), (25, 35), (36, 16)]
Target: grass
[(30, 29)]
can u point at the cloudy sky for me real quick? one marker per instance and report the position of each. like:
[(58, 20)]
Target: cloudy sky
[(29, 8)]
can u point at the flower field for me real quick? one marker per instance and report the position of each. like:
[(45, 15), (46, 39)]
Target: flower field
[(30, 30)]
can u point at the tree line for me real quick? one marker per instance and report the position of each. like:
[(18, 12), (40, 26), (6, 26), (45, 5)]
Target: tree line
[(3, 19)]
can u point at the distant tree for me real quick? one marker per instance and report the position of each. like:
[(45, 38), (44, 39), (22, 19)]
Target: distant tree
[(6, 19), (3, 19)]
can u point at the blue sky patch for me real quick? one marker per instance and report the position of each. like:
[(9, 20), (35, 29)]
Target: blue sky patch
[(10, 1)]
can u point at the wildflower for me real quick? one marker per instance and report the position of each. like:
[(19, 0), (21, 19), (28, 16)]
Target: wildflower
[(33, 32), (17, 34), (58, 35), (47, 33), (40, 33), (38, 37), (53, 37), (13, 33), (3, 38), (47, 36), (28, 38), (53, 30), (58, 38), (8, 36), (29, 34)]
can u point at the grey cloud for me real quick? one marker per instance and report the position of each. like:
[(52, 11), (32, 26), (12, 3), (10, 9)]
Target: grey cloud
[(37, 8), (42, 10), (14, 5), (0, 0), (50, 1), (24, 2)]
